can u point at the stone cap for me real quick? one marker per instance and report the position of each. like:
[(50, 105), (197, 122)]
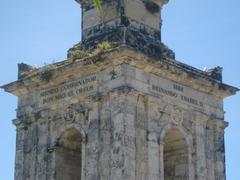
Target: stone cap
[(159, 2), (135, 23)]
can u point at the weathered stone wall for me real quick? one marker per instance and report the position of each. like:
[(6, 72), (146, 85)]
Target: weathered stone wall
[(134, 124)]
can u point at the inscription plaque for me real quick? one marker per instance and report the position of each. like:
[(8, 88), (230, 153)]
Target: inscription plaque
[(79, 87), (170, 89)]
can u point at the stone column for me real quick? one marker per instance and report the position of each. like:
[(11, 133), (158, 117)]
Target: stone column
[(190, 164), (105, 140), (117, 149), (30, 150), (210, 152), (154, 157), (123, 138), (220, 150), (161, 161), (129, 146), (93, 145), (19, 157), (83, 158), (200, 138), (51, 151), (141, 126), (42, 145)]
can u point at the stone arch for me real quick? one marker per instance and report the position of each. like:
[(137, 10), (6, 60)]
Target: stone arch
[(187, 136), (175, 153), (71, 139), (69, 155), (78, 127)]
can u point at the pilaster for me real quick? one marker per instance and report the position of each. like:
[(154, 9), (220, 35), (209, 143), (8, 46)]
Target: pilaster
[(19, 155), (154, 157), (43, 157), (220, 171), (200, 138)]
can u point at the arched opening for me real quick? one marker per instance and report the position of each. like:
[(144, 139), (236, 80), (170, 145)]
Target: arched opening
[(68, 156), (175, 156)]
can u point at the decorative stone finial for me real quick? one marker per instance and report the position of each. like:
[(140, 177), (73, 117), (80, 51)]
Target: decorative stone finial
[(215, 73), (24, 69)]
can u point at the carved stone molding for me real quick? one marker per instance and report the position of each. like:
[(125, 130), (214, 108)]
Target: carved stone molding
[(70, 114), (173, 113), (177, 115), (76, 112)]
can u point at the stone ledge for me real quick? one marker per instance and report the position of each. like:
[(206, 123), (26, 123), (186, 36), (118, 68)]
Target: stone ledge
[(167, 68)]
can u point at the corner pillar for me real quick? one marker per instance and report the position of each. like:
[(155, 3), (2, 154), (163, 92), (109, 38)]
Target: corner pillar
[(219, 145), (200, 135), (19, 157)]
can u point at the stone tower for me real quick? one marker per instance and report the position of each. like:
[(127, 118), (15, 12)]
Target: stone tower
[(120, 107)]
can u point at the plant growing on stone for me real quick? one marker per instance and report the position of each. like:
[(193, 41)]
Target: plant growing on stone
[(76, 54), (102, 47), (105, 45), (46, 72), (98, 6)]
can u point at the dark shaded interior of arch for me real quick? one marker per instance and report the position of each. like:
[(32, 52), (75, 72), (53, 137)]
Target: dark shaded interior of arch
[(175, 156), (68, 156)]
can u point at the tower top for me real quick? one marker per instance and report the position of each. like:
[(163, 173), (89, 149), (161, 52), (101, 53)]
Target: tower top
[(136, 23)]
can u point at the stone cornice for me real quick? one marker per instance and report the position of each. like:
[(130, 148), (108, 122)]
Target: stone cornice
[(218, 123), (170, 69)]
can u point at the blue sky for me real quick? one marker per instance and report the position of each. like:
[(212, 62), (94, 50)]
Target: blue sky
[(202, 34)]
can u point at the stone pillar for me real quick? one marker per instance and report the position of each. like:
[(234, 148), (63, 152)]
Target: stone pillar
[(190, 164), (153, 157), (42, 145), (210, 157), (122, 141), (83, 158), (19, 157), (105, 140), (220, 173), (92, 145), (30, 151), (141, 160), (129, 146), (117, 150), (200, 138), (161, 161), (51, 151)]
